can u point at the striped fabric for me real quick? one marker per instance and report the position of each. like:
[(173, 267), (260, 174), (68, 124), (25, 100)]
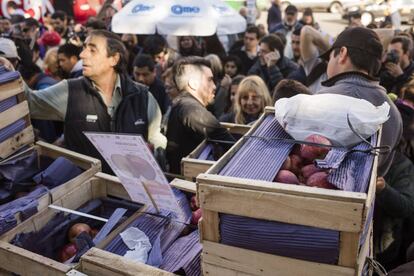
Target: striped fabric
[(184, 254), (8, 103), (289, 240), (6, 76), (260, 158), (354, 172)]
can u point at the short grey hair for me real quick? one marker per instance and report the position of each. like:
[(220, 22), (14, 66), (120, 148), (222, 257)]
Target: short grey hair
[(185, 68)]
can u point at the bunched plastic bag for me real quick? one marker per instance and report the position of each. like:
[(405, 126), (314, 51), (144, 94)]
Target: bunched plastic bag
[(327, 115)]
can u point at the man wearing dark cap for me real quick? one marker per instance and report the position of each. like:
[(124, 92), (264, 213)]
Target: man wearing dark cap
[(354, 59), (290, 23)]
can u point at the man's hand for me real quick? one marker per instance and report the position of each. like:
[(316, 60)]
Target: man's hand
[(380, 184), (394, 69), (272, 58), (6, 63), (226, 81)]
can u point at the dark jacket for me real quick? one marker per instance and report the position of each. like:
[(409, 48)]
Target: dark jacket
[(406, 145), (274, 74), (361, 86), (188, 125), (284, 28), (394, 85), (393, 205), (86, 111), (274, 16), (246, 61)]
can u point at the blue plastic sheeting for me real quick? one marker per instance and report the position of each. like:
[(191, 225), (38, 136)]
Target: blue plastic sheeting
[(26, 205), (53, 236), (60, 171), (289, 240), (184, 255), (355, 171), (161, 230), (260, 158)]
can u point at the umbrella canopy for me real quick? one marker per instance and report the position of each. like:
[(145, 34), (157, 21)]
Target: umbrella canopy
[(178, 17)]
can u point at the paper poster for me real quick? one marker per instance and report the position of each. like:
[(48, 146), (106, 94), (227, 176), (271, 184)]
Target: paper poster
[(137, 169)]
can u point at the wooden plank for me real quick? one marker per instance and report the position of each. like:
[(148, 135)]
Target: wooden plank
[(23, 262), (256, 263), (364, 253), (209, 269), (13, 114), (210, 226), (236, 128), (348, 249), (81, 160), (266, 186), (11, 89), (322, 213), (17, 141), (191, 168), (197, 151), (98, 187), (184, 185), (77, 197), (101, 263)]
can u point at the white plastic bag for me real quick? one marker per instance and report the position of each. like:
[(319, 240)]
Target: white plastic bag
[(138, 242), (326, 114)]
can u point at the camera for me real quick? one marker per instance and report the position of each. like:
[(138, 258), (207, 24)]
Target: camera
[(393, 57)]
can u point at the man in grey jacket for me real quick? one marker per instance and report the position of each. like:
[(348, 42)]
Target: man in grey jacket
[(354, 59)]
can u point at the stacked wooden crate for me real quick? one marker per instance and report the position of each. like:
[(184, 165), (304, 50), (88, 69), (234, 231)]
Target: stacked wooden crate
[(348, 213)]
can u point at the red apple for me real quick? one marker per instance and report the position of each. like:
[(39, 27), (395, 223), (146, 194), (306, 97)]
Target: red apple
[(196, 216), (319, 179), (76, 229), (296, 163), (310, 169), (288, 177), (287, 164), (310, 153), (67, 252), (194, 203)]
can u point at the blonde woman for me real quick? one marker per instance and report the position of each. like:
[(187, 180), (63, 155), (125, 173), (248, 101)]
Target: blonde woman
[(251, 98)]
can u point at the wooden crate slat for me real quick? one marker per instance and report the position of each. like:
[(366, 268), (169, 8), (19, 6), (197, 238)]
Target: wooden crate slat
[(17, 141), (256, 263), (101, 263), (81, 160), (348, 249), (18, 260), (322, 213), (13, 114), (236, 128), (210, 226), (11, 89), (184, 185), (191, 168), (209, 269), (266, 186)]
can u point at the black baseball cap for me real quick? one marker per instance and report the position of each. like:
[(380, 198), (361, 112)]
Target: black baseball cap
[(358, 38), (291, 9)]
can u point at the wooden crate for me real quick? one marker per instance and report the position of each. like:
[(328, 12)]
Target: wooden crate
[(345, 212), (14, 144), (24, 262), (191, 167)]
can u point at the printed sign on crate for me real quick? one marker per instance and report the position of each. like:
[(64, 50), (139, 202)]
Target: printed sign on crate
[(131, 160)]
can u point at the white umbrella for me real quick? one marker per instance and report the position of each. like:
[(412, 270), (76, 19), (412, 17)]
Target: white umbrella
[(178, 17)]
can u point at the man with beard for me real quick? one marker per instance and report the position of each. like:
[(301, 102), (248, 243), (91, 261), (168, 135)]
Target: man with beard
[(190, 122), (59, 23), (289, 24)]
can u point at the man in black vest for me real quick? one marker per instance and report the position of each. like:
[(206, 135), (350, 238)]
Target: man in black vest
[(105, 99), (190, 122)]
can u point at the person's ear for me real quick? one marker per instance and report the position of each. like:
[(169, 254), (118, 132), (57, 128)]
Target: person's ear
[(193, 83), (114, 59), (343, 55)]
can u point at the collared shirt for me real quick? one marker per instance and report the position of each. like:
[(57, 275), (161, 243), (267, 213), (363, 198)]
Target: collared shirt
[(51, 104)]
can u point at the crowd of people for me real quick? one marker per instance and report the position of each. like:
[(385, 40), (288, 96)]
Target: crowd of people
[(86, 78)]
